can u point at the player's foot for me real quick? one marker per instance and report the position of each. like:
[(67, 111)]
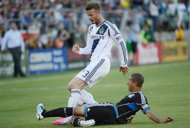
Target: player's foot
[(86, 123), (60, 121), (40, 109)]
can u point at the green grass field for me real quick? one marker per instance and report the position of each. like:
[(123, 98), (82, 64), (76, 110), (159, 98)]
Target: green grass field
[(166, 87)]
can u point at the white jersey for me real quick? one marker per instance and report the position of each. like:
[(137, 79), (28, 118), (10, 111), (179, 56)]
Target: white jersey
[(99, 42)]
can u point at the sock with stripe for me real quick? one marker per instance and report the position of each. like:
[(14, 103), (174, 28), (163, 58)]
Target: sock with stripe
[(74, 97), (87, 97)]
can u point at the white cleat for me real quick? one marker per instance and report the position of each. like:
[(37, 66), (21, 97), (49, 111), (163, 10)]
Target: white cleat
[(86, 123), (40, 109)]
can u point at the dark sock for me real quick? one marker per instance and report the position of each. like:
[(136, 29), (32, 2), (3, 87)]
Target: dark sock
[(59, 112)]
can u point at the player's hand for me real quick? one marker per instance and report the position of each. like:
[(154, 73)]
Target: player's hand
[(124, 70), (168, 120), (76, 49)]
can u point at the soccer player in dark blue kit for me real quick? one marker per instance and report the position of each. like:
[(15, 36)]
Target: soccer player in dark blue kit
[(108, 113)]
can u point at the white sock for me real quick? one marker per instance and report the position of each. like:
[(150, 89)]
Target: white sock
[(74, 97), (87, 97)]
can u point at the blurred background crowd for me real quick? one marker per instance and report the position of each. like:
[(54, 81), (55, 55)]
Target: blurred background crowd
[(61, 23)]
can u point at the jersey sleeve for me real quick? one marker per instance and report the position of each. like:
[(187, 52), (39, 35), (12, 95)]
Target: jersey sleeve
[(117, 37), (142, 102), (145, 107), (87, 49)]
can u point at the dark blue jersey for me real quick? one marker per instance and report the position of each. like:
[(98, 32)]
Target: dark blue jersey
[(122, 112), (130, 104)]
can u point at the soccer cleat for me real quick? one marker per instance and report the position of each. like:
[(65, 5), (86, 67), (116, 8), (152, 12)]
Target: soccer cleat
[(40, 109), (86, 123), (60, 121)]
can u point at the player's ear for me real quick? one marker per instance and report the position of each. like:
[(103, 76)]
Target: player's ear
[(135, 83)]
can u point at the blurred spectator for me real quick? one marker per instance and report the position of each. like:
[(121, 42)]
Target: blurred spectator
[(46, 4), (26, 19), (14, 43), (2, 31), (125, 3), (0, 37), (35, 27), (33, 42), (49, 38), (62, 36), (180, 12), (154, 13), (44, 41), (136, 3), (140, 16), (13, 14), (171, 9), (133, 32), (66, 3), (70, 21), (57, 16), (147, 35), (179, 33), (80, 36)]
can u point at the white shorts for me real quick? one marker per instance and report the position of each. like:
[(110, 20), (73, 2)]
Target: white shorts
[(95, 71)]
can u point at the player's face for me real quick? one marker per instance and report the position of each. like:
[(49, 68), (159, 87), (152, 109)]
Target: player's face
[(93, 16), (13, 26), (130, 84)]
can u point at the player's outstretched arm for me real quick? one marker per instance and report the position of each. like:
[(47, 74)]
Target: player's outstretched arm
[(151, 115)]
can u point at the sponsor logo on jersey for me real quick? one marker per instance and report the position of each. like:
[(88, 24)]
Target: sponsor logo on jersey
[(94, 37)]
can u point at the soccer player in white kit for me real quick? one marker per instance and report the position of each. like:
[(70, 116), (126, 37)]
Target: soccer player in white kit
[(99, 44)]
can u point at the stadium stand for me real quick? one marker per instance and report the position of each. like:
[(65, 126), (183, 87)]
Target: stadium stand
[(61, 23)]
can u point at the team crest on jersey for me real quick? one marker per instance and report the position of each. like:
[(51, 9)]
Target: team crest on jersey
[(102, 29)]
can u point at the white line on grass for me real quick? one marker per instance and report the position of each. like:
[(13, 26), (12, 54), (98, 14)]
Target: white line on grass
[(32, 80), (165, 65), (32, 89)]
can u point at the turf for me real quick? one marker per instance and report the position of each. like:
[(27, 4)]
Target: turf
[(166, 86)]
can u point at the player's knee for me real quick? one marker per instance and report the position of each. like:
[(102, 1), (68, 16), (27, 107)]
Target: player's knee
[(77, 84), (71, 86)]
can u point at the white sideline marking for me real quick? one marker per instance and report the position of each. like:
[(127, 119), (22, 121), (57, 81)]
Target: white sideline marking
[(165, 65)]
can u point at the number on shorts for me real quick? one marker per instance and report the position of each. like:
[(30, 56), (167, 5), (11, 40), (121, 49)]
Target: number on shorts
[(86, 73)]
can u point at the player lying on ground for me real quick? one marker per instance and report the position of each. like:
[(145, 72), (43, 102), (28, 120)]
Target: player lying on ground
[(108, 113)]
